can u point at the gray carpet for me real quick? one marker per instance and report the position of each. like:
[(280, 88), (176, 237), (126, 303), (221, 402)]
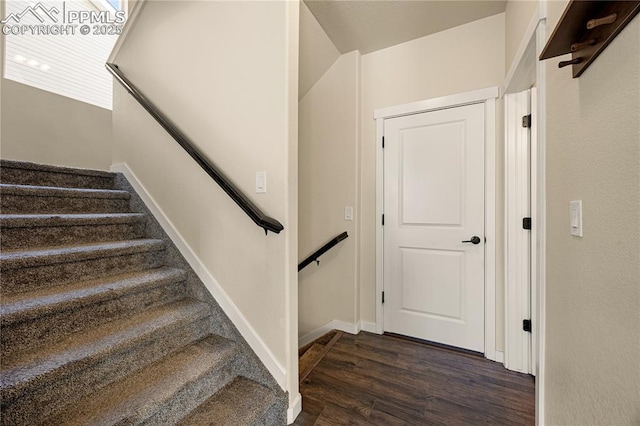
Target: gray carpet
[(104, 322)]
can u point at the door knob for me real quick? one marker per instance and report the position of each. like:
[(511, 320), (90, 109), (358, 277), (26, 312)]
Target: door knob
[(474, 240)]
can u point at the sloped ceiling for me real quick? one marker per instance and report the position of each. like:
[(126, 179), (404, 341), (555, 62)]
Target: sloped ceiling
[(369, 25), (317, 52)]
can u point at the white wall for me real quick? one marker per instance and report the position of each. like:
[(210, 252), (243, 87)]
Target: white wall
[(47, 128), (461, 59), (328, 160), (226, 74), (317, 51), (593, 283), (518, 14)]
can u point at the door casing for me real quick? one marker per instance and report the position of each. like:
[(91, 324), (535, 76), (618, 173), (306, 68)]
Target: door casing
[(518, 149), (487, 97), (527, 71)]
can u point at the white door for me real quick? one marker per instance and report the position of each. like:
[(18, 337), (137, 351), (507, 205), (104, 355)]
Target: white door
[(433, 202), (518, 138)]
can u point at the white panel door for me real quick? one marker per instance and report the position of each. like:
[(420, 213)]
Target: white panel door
[(433, 201)]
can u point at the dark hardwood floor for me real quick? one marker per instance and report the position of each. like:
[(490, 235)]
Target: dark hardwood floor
[(384, 380)]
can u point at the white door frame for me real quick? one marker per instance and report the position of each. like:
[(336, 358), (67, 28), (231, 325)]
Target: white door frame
[(526, 68), (488, 98), (518, 241)]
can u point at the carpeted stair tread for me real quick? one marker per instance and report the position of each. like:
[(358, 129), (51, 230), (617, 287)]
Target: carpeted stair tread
[(134, 399), (52, 191), (74, 253), (242, 402), (22, 199), (103, 322), (22, 231), (25, 306), (25, 165), (44, 220), (45, 315), (37, 174), (23, 371)]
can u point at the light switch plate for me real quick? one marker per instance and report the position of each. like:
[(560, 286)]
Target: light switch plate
[(348, 213), (575, 218), (261, 182)]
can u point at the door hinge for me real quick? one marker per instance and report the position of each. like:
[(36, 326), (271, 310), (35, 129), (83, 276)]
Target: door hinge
[(383, 142), (383, 220), (383, 297), (526, 121), (526, 223), (526, 325)]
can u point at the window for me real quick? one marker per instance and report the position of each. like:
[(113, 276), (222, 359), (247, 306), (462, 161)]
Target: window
[(62, 46)]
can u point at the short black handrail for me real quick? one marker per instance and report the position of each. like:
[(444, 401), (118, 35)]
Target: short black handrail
[(322, 250), (260, 219)]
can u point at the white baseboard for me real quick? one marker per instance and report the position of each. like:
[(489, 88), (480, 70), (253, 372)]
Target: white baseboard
[(322, 330), (494, 355), (347, 327), (294, 409), (235, 315), (369, 327)]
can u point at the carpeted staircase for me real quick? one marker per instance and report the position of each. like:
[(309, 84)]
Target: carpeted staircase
[(103, 322)]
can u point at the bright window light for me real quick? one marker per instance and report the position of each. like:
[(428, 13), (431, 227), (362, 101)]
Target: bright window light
[(62, 46)]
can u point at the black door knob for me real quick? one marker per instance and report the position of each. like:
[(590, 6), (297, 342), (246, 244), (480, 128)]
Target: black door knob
[(474, 240)]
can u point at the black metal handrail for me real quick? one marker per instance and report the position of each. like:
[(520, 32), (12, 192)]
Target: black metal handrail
[(322, 250), (260, 219)]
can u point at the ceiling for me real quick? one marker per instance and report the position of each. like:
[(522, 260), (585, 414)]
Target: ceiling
[(369, 25)]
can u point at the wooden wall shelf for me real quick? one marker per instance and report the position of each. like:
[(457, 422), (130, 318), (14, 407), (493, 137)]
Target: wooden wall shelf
[(586, 29)]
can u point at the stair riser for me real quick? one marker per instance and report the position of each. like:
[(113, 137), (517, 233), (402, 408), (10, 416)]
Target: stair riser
[(27, 279), (47, 178), (189, 397), (42, 399), (40, 330), (45, 236), (26, 204)]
